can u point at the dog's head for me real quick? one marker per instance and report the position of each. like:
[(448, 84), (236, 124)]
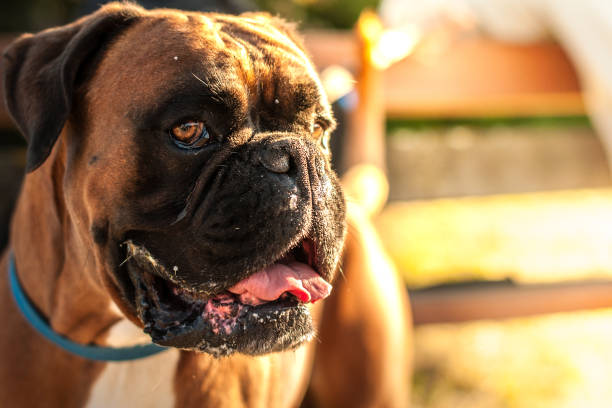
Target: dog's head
[(195, 163)]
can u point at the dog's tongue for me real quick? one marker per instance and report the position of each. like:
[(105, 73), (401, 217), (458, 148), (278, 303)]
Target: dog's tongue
[(270, 283)]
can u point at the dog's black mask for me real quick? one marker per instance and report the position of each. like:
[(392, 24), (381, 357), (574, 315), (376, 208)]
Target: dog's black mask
[(242, 210)]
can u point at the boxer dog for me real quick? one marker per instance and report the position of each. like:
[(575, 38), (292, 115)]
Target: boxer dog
[(179, 191)]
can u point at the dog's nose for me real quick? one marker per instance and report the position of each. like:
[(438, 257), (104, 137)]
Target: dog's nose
[(275, 160)]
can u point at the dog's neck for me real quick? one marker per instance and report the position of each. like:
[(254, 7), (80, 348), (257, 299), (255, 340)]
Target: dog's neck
[(58, 279)]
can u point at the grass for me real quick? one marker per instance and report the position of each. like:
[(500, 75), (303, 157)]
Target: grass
[(533, 121), (554, 361), (536, 237)]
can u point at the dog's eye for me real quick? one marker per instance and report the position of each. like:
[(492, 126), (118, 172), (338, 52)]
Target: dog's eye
[(317, 130), (190, 134), (322, 134)]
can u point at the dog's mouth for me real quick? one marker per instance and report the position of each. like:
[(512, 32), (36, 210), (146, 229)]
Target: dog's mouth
[(265, 312)]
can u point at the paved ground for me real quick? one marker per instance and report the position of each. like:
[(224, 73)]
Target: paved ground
[(462, 160)]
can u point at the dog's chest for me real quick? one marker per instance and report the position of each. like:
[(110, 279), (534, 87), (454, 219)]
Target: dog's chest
[(142, 383), (147, 382), (159, 381)]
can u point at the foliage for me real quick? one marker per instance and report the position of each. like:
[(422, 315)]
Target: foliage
[(319, 13)]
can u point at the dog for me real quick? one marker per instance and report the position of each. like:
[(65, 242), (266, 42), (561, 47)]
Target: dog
[(179, 191)]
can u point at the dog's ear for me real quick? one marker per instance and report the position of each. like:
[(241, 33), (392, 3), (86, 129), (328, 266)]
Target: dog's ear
[(41, 71)]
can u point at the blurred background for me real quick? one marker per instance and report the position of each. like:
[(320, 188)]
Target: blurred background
[(476, 134)]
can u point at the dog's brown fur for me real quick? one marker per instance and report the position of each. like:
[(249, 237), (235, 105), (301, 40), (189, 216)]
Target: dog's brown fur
[(360, 357)]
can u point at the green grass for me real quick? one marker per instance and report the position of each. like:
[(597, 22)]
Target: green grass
[(535, 237), (546, 121)]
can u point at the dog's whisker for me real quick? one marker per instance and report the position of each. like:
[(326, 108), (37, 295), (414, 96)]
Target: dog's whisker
[(130, 256), (199, 79), (341, 272)]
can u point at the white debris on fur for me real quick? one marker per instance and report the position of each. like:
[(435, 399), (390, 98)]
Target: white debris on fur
[(140, 252), (293, 202), (219, 351)]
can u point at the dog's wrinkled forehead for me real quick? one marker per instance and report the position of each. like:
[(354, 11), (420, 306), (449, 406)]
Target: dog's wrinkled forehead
[(235, 63)]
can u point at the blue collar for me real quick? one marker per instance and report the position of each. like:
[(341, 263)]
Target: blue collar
[(86, 351)]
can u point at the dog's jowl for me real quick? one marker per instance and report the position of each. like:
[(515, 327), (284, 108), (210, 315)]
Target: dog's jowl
[(179, 214)]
